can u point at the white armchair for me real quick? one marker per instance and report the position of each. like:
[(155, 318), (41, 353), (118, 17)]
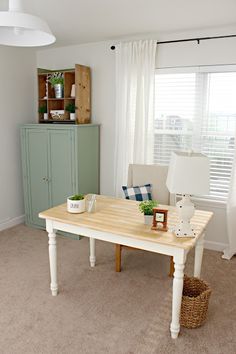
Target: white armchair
[(155, 175)]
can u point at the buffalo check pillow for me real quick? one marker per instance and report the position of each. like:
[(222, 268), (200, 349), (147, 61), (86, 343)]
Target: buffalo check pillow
[(139, 193)]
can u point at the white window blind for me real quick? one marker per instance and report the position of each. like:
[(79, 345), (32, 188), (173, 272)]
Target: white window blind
[(197, 110)]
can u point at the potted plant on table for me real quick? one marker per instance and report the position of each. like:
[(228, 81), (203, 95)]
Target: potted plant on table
[(146, 207), (71, 109), (57, 81), (76, 203), (43, 111)]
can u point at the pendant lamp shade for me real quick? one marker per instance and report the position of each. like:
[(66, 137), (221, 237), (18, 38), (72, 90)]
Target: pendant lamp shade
[(23, 30)]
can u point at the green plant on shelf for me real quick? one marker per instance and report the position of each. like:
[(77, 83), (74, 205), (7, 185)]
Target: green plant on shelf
[(146, 207), (77, 197), (42, 109), (56, 79), (70, 107)]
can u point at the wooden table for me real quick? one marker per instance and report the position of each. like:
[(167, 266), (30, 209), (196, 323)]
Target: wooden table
[(119, 221)]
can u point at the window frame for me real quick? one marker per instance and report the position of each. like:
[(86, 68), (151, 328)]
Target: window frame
[(224, 68)]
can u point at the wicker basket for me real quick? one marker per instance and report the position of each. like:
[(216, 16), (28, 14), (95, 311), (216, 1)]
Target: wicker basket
[(196, 294)]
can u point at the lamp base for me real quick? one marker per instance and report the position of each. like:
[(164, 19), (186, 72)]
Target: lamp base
[(184, 230), (186, 211)]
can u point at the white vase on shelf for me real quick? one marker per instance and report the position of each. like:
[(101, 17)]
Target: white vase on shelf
[(72, 116), (72, 94)]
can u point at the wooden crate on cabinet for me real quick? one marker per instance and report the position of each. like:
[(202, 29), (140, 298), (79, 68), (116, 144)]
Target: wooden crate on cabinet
[(80, 76)]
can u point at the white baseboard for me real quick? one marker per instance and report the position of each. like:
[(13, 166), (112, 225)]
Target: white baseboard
[(215, 246), (5, 224)]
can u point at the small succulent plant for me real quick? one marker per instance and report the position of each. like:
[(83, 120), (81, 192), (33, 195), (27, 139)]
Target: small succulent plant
[(146, 207), (77, 197)]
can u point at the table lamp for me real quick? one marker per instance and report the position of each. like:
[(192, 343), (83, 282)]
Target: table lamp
[(188, 174)]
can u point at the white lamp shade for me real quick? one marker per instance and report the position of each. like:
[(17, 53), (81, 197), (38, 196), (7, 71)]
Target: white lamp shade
[(189, 173), (24, 30), (20, 29)]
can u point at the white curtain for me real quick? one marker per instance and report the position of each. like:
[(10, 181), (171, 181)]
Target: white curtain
[(231, 213), (135, 80)]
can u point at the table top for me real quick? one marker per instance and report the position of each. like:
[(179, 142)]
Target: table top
[(122, 217)]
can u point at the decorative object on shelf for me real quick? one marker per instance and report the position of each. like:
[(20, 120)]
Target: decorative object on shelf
[(76, 204), (91, 203), (72, 93), (160, 219), (57, 81), (43, 111), (195, 300), (46, 90), (20, 29), (57, 114), (146, 207), (70, 107), (188, 174)]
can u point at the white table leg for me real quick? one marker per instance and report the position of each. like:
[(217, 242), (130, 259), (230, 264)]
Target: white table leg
[(92, 257), (52, 242), (198, 256), (178, 282)]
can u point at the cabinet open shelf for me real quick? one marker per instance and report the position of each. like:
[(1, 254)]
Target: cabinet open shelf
[(81, 78)]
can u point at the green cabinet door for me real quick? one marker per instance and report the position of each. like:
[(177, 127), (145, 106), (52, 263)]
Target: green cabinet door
[(61, 165), (57, 161), (37, 173)]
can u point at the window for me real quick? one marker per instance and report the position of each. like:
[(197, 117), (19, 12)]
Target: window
[(197, 110)]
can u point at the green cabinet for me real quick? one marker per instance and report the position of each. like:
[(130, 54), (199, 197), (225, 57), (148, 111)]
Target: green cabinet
[(57, 161)]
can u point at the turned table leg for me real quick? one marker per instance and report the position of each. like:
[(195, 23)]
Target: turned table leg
[(198, 256), (52, 246), (92, 257), (178, 282)]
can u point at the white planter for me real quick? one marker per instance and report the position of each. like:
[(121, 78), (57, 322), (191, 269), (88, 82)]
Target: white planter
[(75, 206), (72, 116), (72, 94), (148, 219), (45, 116)]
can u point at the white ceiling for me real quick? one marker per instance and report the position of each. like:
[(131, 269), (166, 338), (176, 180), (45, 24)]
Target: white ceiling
[(81, 21)]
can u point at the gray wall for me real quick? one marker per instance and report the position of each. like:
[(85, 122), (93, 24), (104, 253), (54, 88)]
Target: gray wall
[(17, 97)]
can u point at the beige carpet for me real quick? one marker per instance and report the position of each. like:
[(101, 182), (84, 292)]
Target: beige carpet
[(98, 310)]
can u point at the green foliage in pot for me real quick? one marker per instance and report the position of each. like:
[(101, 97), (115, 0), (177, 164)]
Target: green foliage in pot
[(146, 207), (56, 79), (77, 197), (42, 109), (71, 107)]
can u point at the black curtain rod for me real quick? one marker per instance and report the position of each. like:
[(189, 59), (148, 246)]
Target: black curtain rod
[(191, 40)]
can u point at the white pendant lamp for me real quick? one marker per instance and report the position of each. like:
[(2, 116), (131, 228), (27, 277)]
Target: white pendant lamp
[(23, 30)]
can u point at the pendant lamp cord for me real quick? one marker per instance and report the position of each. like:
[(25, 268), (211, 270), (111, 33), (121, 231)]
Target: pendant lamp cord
[(15, 5)]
